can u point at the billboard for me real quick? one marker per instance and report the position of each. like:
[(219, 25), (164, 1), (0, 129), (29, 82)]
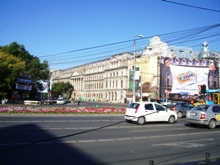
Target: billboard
[(131, 78), (23, 87), (186, 76)]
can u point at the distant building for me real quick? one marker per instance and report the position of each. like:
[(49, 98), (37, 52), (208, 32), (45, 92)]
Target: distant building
[(111, 79)]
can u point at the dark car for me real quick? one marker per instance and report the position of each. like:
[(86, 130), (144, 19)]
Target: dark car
[(181, 108)]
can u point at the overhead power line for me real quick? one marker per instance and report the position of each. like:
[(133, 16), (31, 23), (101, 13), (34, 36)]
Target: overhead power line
[(191, 6), (189, 37)]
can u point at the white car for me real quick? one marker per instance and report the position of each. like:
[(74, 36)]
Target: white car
[(142, 112), (61, 101)]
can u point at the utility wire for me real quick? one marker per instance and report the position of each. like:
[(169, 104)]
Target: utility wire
[(106, 51), (191, 6)]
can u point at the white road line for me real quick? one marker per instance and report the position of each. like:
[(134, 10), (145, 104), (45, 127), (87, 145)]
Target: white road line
[(187, 144), (86, 141), (104, 140), (182, 134), (169, 135), (66, 142), (156, 136), (124, 139), (140, 137), (9, 121)]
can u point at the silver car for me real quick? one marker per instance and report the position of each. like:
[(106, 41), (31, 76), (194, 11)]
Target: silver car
[(61, 101), (205, 115)]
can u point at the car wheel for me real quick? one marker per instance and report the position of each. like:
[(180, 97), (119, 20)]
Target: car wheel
[(212, 124), (141, 120), (171, 120), (179, 115)]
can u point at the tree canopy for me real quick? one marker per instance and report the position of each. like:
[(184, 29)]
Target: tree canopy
[(10, 66), (62, 88), (23, 62)]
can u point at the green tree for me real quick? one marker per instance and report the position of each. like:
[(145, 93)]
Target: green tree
[(61, 88), (10, 66), (39, 71)]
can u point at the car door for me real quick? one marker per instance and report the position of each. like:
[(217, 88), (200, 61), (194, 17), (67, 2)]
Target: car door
[(162, 114), (216, 112), (150, 112), (186, 107)]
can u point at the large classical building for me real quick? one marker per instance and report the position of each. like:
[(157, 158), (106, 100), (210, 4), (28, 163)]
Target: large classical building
[(111, 79), (104, 80)]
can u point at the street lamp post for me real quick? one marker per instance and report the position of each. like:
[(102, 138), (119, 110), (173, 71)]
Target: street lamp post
[(134, 63)]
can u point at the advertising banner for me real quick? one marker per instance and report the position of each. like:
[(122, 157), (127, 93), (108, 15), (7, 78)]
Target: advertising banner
[(22, 80), (188, 79), (25, 75), (185, 77), (131, 78), (23, 87)]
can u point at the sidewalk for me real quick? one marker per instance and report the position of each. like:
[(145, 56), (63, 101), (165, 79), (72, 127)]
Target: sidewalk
[(214, 161)]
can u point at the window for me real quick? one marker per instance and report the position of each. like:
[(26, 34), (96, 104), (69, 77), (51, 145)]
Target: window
[(216, 109), (149, 107), (133, 105), (159, 107)]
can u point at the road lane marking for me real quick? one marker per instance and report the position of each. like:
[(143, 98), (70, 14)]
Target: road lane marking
[(187, 144), (124, 139), (86, 141)]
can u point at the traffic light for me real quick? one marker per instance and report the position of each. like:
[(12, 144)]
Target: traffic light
[(203, 89)]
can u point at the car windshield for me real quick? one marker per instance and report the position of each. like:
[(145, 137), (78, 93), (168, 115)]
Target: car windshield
[(202, 107), (133, 105)]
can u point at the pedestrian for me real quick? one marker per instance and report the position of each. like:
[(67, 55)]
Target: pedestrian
[(216, 100), (79, 101)]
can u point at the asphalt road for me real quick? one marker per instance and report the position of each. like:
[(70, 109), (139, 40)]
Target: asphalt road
[(101, 140)]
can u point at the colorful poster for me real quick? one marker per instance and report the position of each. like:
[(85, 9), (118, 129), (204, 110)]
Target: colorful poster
[(186, 76), (188, 79), (23, 87)]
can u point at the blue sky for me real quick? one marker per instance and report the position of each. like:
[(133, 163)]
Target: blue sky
[(69, 33)]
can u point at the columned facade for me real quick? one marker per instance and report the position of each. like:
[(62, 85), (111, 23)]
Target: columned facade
[(104, 80)]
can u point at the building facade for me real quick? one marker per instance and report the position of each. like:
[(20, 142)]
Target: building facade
[(104, 80), (111, 79)]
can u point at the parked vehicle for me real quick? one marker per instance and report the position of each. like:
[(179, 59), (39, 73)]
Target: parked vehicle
[(181, 108), (204, 114), (50, 102), (199, 102), (142, 112), (61, 101)]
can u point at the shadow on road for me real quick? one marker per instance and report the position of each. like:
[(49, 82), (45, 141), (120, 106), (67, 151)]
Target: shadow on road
[(23, 145)]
